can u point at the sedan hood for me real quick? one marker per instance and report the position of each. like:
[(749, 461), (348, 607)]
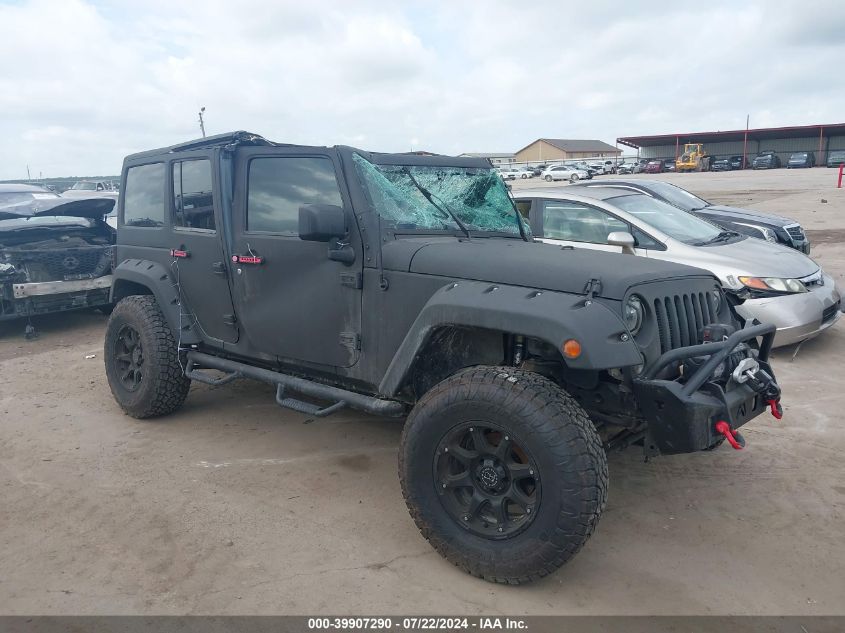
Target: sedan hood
[(748, 215), (93, 208), (531, 264), (752, 257)]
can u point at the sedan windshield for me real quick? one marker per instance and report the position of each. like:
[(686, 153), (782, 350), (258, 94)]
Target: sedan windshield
[(84, 186), (672, 221), (442, 198)]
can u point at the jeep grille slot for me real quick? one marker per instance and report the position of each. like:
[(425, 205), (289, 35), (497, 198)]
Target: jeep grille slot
[(681, 317)]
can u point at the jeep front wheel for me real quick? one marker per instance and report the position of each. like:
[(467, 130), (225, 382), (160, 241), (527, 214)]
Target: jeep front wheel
[(503, 473), (142, 360)]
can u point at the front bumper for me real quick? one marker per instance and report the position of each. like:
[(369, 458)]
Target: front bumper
[(28, 299), (682, 416), (797, 317)]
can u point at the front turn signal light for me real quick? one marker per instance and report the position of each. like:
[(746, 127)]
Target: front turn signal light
[(571, 348)]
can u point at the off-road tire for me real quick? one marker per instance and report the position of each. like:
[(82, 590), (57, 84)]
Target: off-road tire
[(563, 442), (163, 386)]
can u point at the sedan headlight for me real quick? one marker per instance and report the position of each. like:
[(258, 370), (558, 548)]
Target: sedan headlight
[(775, 284), (765, 233), (633, 314)]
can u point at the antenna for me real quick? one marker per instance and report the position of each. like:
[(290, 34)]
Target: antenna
[(202, 123)]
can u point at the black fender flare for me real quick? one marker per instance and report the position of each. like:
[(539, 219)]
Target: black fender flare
[(553, 317), (131, 273)]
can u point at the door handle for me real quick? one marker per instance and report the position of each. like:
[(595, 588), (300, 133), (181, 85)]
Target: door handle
[(180, 252), (247, 259)]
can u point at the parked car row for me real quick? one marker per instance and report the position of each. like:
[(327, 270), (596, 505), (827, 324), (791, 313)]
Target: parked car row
[(590, 169), (766, 159)]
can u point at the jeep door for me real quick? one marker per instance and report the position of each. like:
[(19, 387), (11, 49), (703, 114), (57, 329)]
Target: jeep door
[(293, 300), (170, 215)]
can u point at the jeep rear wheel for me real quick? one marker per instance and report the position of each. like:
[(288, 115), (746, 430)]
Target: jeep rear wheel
[(142, 360), (503, 473)]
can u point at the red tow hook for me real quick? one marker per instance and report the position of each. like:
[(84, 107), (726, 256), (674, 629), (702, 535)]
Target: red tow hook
[(733, 436), (776, 409)]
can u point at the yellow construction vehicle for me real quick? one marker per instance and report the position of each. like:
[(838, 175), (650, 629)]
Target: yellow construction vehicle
[(694, 158)]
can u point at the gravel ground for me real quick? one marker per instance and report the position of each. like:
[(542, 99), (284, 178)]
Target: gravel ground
[(235, 506)]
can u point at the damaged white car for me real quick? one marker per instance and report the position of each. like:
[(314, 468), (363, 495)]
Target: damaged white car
[(55, 253)]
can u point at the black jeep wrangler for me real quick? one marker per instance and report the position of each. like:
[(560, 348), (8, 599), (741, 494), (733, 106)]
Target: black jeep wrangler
[(406, 285)]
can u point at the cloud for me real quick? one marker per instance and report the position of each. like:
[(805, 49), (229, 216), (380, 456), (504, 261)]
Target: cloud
[(84, 84)]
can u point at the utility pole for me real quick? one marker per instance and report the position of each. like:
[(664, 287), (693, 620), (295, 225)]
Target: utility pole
[(202, 124)]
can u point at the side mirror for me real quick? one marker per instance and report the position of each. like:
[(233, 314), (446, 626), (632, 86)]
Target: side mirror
[(321, 222), (623, 239)]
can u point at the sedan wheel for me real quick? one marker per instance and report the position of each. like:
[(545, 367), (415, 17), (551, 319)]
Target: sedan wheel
[(548, 178)]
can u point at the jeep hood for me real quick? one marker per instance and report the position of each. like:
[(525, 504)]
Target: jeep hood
[(92, 208), (531, 264), (745, 215)]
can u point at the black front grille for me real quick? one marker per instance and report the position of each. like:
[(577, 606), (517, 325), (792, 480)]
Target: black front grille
[(681, 317), (830, 312), (795, 232), (75, 263)]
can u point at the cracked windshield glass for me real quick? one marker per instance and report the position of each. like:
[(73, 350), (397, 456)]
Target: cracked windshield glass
[(439, 197)]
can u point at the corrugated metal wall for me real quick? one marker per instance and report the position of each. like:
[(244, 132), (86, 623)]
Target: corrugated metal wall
[(783, 147)]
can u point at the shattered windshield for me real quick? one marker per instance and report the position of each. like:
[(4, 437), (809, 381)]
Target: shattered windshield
[(426, 197)]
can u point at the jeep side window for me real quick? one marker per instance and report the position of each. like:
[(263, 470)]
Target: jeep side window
[(193, 204), (577, 222), (143, 199), (278, 186)]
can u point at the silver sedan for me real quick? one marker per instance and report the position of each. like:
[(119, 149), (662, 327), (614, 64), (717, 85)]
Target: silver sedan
[(779, 284)]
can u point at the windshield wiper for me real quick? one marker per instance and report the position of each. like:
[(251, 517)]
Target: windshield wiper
[(723, 236), (430, 197)]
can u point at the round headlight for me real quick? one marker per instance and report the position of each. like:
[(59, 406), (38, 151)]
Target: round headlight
[(632, 313), (717, 301)]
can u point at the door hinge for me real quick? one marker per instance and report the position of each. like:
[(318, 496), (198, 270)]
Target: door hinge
[(352, 280), (230, 319), (218, 268), (350, 340)]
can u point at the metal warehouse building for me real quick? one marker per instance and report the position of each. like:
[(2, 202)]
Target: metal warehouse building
[(820, 139)]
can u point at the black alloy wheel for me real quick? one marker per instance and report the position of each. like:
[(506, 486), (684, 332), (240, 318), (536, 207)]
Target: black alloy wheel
[(488, 482), (129, 358)]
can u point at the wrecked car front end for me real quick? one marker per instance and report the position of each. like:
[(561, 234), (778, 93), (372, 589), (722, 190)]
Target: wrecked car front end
[(52, 263)]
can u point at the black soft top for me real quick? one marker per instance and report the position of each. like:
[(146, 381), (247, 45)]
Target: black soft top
[(242, 138)]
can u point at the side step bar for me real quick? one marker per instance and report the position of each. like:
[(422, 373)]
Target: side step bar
[(340, 397)]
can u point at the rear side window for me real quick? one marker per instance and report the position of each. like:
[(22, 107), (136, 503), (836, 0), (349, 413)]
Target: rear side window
[(278, 186), (143, 199), (193, 202)]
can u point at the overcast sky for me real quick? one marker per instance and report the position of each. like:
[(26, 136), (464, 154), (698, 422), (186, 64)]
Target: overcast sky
[(84, 83)]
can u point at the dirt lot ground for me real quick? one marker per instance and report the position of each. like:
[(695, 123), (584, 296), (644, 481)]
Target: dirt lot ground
[(236, 506)]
